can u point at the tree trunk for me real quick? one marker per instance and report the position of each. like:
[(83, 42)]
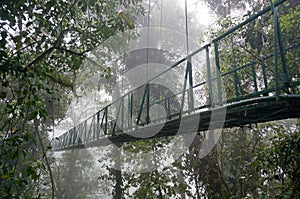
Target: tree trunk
[(118, 187), (181, 182), (197, 186), (118, 190)]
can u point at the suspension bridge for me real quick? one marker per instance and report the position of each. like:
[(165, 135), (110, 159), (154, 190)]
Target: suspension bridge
[(238, 89)]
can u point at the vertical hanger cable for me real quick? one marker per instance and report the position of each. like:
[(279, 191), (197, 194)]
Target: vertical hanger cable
[(148, 32), (186, 29)]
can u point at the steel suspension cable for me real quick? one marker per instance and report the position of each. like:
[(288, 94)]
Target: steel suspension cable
[(148, 32), (186, 28), (161, 17)]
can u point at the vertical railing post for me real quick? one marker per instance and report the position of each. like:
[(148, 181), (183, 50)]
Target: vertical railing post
[(263, 67), (130, 106), (285, 75), (63, 140), (118, 115), (75, 138), (148, 104), (168, 109), (209, 80), (60, 142), (102, 123), (122, 113), (79, 135), (254, 76), (218, 72), (66, 140), (85, 131), (95, 133), (128, 111), (142, 104), (275, 24), (106, 121), (81, 132), (69, 139), (98, 125), (183, 91), (190, 92), (236, 83)]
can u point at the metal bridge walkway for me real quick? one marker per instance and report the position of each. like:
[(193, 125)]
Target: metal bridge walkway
[(241, 91)]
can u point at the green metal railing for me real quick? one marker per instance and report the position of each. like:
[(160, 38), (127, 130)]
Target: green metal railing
[(132, 111)]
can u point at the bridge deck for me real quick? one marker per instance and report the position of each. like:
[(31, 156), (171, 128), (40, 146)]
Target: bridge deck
[(252, 111)]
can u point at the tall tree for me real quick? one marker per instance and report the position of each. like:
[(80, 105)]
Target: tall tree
[(42, 45), (75, 175), (278, 161), (224, 8)]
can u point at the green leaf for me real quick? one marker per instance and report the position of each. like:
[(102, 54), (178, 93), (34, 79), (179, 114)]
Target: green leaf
[(3, 95), (4, 176), (32, 115), (19, 45), (43, 113)]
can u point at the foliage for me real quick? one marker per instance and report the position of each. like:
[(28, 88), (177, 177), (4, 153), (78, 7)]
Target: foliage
[(157, 183), (19, 172), (279, 162), (291, 37), (155, 180), (224, 8), (201, 175), (75, 175), (42, 45), (236, 151)]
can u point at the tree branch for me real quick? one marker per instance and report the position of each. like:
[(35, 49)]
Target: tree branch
[(65, 14), (45, 156), (249, 52), (84, 34), (57, 79), (40, 57), (50, 50), (23, 48), (60, 49), (96, 63)]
